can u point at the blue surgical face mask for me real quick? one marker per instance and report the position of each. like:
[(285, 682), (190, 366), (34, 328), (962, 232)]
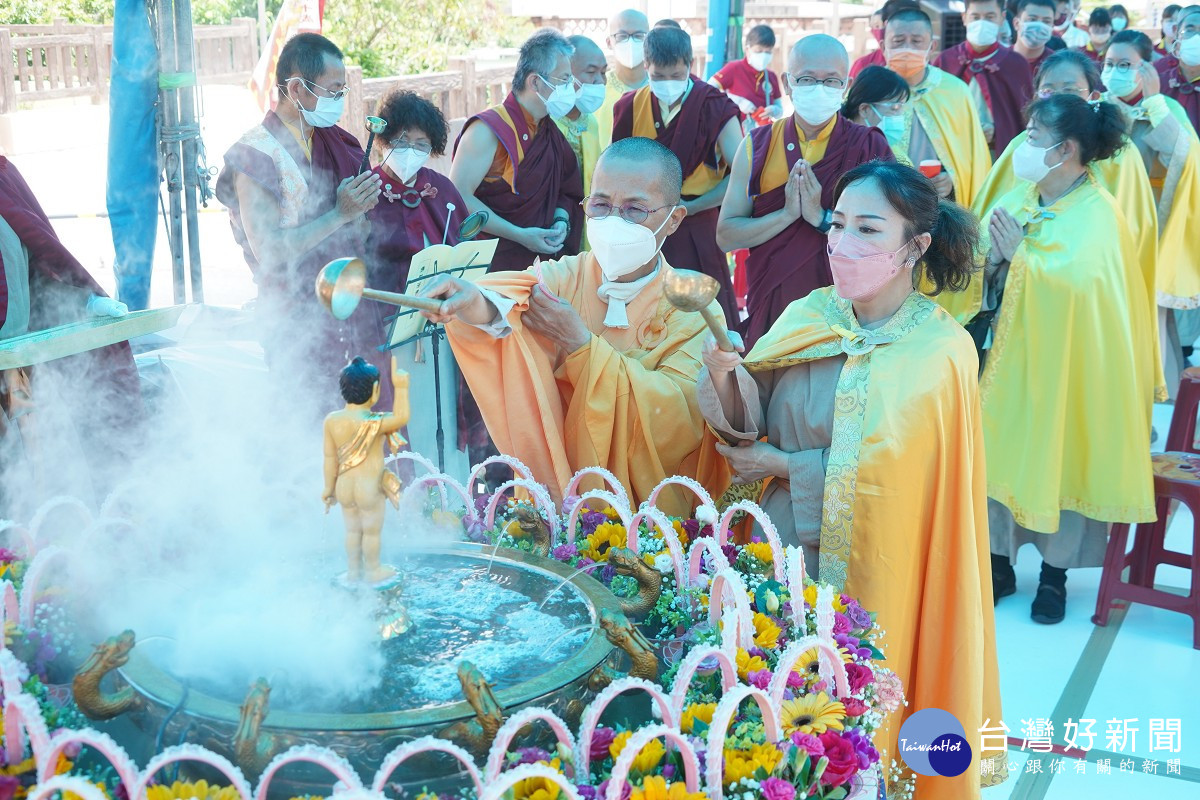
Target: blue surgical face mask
[(893, 126)]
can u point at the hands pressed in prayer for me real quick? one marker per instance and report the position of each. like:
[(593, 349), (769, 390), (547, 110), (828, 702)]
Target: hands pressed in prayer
[(358, 195), (556, 320), (943, 183), (753, 461), (810, 193), (1006, 234)]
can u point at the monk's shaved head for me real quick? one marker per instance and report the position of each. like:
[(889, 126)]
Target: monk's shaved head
[(656, 164), (584, 47), (819, 53), (630, 20), (1187, 16)]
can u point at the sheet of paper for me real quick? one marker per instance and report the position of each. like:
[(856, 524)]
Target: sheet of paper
[(467, 260)]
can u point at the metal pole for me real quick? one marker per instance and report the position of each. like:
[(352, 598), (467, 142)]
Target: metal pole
[(190, 131), (172, 158), (437, 397)]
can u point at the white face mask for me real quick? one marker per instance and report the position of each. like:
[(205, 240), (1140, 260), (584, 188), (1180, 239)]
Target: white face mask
[(1029, 161), (405, 163), (328, 110), (1118, 24), (816, 104), (1189, 50), (982, 32), (630, 54), (669, 91), (760, 61), (1120, 82), (1035, 34), (591, 97), (622, 247), (893, 127), (561, 99)]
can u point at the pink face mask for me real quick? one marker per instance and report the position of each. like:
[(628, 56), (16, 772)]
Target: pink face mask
[(860, 269)]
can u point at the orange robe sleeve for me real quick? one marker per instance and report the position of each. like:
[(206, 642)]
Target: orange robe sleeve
[(626, 401)]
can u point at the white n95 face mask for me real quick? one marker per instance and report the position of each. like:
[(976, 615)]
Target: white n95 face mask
[(982, 33), (816, 104), (622, 247), (669, 91), (760, 61), (406, 163), (590, 98), (630, 54)]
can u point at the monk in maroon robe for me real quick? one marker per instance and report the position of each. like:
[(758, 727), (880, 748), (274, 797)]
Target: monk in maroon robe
[(874, 58), (1002, 76), (781, 191), (1179, 80), (701, 126), (42, 286), (513, 162), (749, 81), (296, 202)]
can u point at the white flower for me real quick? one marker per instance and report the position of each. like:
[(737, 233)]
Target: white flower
[(706, 515), (664, 563)]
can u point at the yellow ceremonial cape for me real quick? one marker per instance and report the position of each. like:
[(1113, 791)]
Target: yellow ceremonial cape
[(1068, 387), (1178, 202), (904, 520), (947, 113), (626, 401), (614, 90)]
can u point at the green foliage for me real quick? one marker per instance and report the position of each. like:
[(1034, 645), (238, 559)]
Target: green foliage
[(222, 12), (43, 12), (406, 37)]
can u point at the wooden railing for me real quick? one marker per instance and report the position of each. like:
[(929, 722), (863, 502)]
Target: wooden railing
[(48, 62)]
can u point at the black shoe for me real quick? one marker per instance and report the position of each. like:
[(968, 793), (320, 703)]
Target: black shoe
[(1050, 605), (1004, 580)]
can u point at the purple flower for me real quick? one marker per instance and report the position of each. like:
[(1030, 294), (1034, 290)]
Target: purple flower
[(706, 530), (776, 789), (863, 746), (757, 651), (568, 505), (668, 771), (565, 552), (809, 744), (730, 552), (532, 755), (588, 792), (584, 562), (841, 623), (474, 529), (760, 678), (858, 616), (608, 573), (691, 527), (626, 790), (602, 738), (593, 520)]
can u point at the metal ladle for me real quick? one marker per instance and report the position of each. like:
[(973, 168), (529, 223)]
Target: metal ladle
[(342, 284), (374, 125), (694, 291)]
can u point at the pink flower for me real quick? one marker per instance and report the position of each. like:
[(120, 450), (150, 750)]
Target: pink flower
[(854, 706), (601, 739), (843, 759), (889, 691), (795, 680), (760, 678), (809, 744), (776, 789), (841, 623), (859, 676)]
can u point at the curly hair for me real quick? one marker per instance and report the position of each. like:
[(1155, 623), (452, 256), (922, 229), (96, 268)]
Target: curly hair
[(403, 110), (357, 381)]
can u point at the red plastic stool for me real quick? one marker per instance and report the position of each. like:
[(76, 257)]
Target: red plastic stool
[(1176, 477)]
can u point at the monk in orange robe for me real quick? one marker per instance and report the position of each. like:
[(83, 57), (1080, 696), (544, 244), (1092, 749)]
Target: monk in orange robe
[(582, 361)]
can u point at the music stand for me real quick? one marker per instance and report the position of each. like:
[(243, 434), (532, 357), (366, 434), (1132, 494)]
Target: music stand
[(468, 260)]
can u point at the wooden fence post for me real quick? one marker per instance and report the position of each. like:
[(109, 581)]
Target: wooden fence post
[(860, 38), (356, 106), (8, 88), (465, 101), (98, 67), (245, 45)]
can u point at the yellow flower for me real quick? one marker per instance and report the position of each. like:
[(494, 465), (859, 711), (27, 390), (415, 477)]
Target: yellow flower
[(606, 535), (680, 532), (647, 758), (741, 764), (611, 513), (656, 788), (697, 711), (761, 551), (766, 632), (810, 597), (535, 789), (186, 791), (747, 663), (813, 713)]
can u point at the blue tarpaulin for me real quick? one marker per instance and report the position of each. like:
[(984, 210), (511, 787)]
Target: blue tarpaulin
[(132, 195)]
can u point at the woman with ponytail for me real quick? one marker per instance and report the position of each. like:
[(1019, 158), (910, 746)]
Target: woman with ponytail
[(894, 510), (1068, 382)]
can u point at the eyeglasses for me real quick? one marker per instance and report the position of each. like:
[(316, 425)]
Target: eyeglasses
[(630, 212), (640, 36), (891, 109), (570, 80), (405, 144), (323, 92), (808, 80)]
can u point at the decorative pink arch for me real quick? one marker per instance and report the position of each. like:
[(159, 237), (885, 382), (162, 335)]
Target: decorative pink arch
[(674, 546), (689, 667), (310, 754), (728, 584), (702, 545), (21, 533), (596, 494), (610, 480), (54, 504), (643, 737), (441, 480), (690, 484), (591, 716), (496, 789), (541, 499), (418, 460), (795, 583), (192, 752), (12, 672), (102, 743), (519, 470), (426, 744), (33, 580), (10, 611), (723, 715), (514, 725), (793, 653), (66, 783), (769, 531), (23, 719)]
